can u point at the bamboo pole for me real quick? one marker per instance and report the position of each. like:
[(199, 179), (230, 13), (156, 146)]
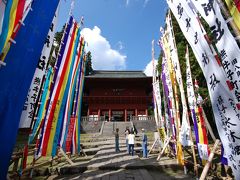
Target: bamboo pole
[(164, 147), (67, 158), (210, 158), (231, 22)]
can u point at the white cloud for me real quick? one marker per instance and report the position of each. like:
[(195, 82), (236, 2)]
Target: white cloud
[(127, 2), (149, 68), (103, 56), (120, 45), (145, 3)]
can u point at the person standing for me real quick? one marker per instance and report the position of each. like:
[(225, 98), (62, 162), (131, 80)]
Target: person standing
[(131, 137), (117, 140), (144, 143), (126, 135)]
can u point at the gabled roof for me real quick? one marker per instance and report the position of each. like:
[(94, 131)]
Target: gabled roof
[(117, 74)]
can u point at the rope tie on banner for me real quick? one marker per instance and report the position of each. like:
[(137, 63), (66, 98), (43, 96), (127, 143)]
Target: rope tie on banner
[(229, 19), (11, 40), (237, 38)]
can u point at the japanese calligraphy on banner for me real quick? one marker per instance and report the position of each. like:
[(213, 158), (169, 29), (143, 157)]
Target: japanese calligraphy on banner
[(157, 96), (223, 101), (192, 102), (30, 103), (228, 50), (203, 151), (184, 134)]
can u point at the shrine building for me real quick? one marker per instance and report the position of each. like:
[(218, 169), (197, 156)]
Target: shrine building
[(117, 95)]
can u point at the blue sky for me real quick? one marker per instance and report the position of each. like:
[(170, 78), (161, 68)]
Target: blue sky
[(119, 31)]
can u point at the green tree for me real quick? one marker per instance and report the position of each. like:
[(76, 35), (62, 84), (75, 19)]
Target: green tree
[(89, 69), (57, 42)]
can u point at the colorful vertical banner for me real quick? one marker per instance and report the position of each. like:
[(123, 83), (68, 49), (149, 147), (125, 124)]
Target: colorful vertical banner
[(50, 123), (223, 101), (42, 108), (79, 103), (34, 90), (70, 94), (58, 66), (229, 50), (173, 55), (234, 11), (17, 75), (10, 23)]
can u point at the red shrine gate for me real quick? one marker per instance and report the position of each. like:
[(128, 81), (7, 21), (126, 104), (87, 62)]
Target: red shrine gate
[(117, 95)]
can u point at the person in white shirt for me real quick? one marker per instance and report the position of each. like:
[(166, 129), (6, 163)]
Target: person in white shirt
[(126, 135), (131, 137)]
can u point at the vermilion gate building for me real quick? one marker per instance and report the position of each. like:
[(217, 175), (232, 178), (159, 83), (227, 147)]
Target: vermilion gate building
[(117, 95)]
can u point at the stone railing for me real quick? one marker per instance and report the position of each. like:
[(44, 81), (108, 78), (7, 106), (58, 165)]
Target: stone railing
[(89, 118), (142, 118)]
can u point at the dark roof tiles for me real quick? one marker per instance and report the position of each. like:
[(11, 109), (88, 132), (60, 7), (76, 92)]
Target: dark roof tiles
[(117, 74)]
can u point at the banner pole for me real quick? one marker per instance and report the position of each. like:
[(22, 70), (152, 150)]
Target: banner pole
[(210, 158), (231, 22)]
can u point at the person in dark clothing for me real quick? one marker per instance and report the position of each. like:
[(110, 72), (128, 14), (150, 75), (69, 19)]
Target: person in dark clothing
[(144, 143), (117, 140)]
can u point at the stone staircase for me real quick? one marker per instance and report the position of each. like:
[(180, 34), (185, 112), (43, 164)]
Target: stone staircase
[(110, 127)]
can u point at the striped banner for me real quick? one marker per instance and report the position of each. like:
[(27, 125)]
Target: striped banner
[(42, 109), (69, 104), (8, 25), (79, 102), (70, 83), (50, 123), (63, 45), (19, 11)]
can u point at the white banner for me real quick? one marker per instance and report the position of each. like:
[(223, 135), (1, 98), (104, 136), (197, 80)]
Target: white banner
[(192, 102), (185, 129), (203, 151), (184, 134), (30, 103), (157, 96), (225, 42), (223, 104)]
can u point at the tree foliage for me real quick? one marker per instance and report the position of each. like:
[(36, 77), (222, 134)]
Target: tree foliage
[(89, 68)]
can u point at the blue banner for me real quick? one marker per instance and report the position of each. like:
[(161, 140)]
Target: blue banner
[(16, 77)]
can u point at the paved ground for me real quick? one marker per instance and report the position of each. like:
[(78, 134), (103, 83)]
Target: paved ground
[(109, 165)]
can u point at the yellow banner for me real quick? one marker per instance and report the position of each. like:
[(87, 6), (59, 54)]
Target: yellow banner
[(234, 12)]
